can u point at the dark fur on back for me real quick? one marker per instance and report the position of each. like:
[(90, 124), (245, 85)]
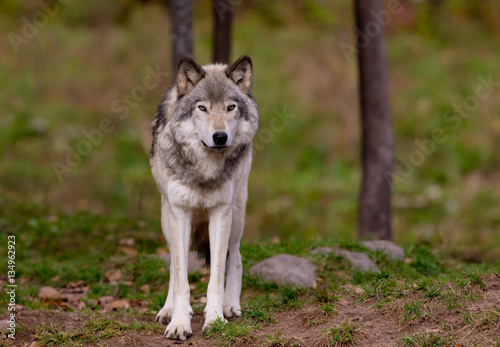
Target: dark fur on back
[(159, 123)]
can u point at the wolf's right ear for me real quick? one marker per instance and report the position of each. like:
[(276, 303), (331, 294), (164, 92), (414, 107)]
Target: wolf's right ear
[(188, 75)]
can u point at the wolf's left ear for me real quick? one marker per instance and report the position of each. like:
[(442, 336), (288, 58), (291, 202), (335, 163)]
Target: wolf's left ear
[(241, 73), (188, 75)]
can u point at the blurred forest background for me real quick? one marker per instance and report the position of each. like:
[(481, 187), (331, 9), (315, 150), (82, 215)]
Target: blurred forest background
[(79, 66)]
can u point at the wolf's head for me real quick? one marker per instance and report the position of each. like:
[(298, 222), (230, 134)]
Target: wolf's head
[(205, 124), (215, 102)]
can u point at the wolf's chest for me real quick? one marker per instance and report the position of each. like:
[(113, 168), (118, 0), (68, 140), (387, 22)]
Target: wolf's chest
[(197, 198)]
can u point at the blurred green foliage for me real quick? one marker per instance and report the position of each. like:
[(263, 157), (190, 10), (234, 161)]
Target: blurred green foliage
[(66, 78)]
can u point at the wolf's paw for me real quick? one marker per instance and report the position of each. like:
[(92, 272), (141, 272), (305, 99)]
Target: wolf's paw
[(165, 315), (232, 311), (178, 331)]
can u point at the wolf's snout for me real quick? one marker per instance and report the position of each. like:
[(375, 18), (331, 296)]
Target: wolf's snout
[(220, 138)]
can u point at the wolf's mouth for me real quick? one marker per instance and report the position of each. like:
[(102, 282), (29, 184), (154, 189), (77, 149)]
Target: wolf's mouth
[(215, 148)]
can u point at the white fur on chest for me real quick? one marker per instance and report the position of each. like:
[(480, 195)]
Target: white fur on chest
[(198, 198)]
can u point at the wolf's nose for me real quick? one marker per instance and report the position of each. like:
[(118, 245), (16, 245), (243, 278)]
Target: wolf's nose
[(220, 138)]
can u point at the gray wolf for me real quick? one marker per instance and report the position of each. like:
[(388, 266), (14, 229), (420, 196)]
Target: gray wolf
[(200, 159)]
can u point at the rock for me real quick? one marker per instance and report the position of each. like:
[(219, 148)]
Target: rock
[(354, 289), (144, 289), (388, 247), (81, 306), (357, 259), (194, 263), (49, 293), (286, 269), (203, 300)]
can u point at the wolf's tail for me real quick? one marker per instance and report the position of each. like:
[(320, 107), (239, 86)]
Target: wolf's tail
[(201, 242)]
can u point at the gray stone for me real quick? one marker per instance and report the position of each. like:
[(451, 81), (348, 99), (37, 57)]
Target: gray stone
[(357, 259), (194, 263), (287, 270), (388, 247)]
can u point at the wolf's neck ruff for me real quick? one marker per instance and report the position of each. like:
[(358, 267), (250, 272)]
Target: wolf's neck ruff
[(208, 170)]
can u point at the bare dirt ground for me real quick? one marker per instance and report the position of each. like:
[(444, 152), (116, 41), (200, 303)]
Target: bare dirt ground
[(307, 325)]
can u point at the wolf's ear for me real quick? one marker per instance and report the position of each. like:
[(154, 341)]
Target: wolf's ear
[(241, 73), (188, 75)]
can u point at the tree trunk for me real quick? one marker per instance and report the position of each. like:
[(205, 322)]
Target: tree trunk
[(181, 13), (223, 17), (377, 135)]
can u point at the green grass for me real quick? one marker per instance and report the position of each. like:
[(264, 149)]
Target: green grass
[(226, 334), (413, 312), (51, 335), (425, 340), (94, 330), (343, 335), (276, 340), (259, 315)]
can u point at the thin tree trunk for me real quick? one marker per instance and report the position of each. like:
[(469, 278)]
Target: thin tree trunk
[(377, 134), (181, 14), (223, 17)]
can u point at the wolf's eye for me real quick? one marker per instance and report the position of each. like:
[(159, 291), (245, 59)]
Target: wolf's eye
[(202, 108), (231, 107)]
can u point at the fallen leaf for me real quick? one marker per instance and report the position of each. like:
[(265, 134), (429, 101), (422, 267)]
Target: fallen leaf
[(119, 304), (49, 293), (106, 299), (127, 242), (113, 276), (128, 250)]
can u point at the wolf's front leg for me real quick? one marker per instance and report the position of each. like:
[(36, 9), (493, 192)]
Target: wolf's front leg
[(234, 267), (219, 230), (165, 314), (179, 229)]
